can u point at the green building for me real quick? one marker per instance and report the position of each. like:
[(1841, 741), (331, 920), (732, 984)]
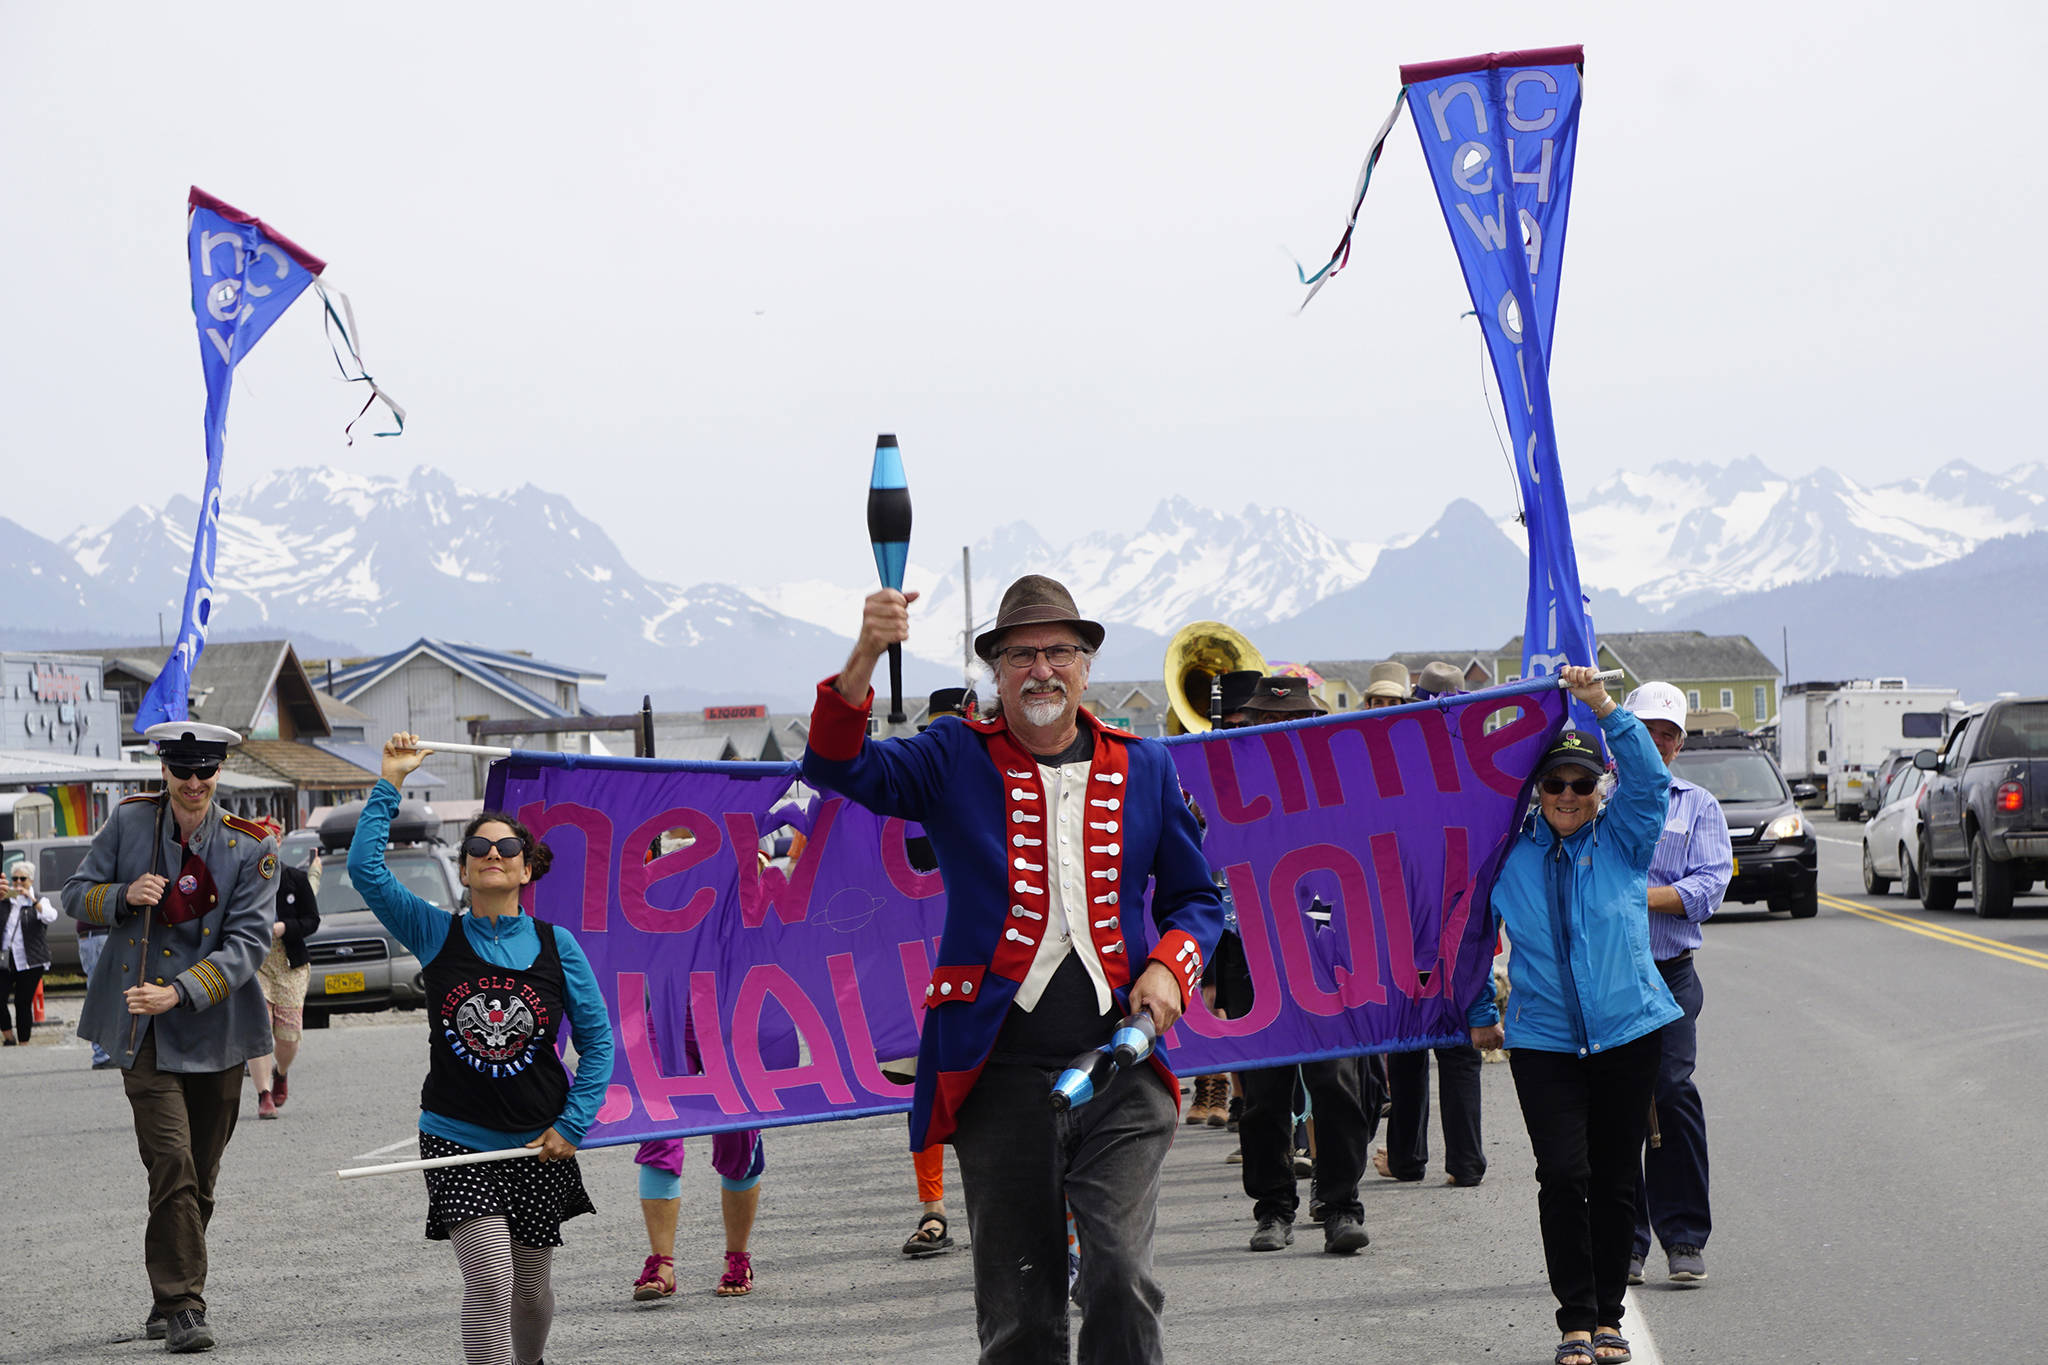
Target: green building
[(1721, 675)]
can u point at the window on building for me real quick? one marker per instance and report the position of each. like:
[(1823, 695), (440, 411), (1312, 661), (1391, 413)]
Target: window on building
[(1342, 701), (1692, 699), (1727, 699), (1762, 701)]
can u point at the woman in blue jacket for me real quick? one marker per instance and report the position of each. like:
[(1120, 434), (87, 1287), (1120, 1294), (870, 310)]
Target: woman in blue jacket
[(1586, 1008), (500, 984)]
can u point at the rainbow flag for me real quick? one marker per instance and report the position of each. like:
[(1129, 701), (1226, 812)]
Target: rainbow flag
[(73, 807)]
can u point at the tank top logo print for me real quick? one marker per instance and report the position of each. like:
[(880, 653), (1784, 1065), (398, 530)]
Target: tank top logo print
[(494, 1024)]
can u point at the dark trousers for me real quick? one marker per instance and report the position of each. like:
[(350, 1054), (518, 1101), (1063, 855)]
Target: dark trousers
[(1587, 1117), (20, 987), (1022, 1167), (1457, 1076), (1672, 1193), (1345, 1122), (183, 1120)]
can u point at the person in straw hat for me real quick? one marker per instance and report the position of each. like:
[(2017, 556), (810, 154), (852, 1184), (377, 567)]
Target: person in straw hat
[(1047, 824)]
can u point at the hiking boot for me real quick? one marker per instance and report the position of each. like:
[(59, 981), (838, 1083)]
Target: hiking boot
[(266, 1108), (1219, 1100), (278, 1089), (1272, 1235), (1236, 1115), (1343, 1235), (186, 1331), (153, 1325), (1635, 1266), (1687, 1265)]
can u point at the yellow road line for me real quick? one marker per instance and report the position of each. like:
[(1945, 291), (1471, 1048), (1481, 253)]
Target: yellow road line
[(1950, 930), (2026, 957)]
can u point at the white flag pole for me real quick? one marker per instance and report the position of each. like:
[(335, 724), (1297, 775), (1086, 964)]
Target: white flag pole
[(480, 750), (436, 1162)]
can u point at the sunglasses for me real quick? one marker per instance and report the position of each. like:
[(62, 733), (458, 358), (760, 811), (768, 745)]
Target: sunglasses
[(204, 772), (511, 846), (1581, 786)]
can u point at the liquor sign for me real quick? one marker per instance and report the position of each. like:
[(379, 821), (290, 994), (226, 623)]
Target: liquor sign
[(735, 713)]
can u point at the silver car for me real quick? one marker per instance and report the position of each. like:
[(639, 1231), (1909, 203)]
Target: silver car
[(1891, 839)]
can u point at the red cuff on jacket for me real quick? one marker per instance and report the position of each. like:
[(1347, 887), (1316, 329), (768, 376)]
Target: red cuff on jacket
[(1183, 957), (838, 727)]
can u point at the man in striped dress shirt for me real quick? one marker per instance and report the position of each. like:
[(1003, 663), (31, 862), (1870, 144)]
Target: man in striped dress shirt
[(1688, 877)]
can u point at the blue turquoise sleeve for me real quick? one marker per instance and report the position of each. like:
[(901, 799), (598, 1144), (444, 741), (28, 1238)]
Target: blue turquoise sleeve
[(420, 925), (1485, 1010), (590, 1027), (1642, 790)]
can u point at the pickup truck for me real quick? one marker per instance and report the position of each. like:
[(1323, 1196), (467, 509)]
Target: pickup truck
[(1985, 819)]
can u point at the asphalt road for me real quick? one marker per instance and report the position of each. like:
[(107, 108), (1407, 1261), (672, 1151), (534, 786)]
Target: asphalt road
[(1874, 1085)]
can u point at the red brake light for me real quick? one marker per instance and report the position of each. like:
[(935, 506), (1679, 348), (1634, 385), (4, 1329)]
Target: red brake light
[(2010, 797)]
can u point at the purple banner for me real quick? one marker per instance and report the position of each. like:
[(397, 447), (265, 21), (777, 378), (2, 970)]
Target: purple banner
[(793, 933)]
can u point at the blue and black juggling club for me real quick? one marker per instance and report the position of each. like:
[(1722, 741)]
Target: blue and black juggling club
[(889, 529), (1089, 1074)]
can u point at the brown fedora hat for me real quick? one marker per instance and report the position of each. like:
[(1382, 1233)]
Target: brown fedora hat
[(1035, 600), (1283, 695)]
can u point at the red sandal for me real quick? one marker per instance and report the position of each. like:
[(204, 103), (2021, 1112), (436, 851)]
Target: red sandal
[(738, 1278), (657, 1279)]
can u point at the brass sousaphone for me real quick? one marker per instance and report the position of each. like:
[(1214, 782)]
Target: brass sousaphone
[(1198, 654)]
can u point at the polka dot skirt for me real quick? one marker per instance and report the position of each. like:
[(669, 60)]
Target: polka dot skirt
[(532, 1195)]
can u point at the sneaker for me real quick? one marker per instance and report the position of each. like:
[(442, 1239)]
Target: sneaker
[(1687, 1265), (186, 1331), (1304, 1166), (153, 1325), (1272, 1235), (1236, 1158), (266, 1108), (278, 1089), (1635, 1267), (1343, 1235)]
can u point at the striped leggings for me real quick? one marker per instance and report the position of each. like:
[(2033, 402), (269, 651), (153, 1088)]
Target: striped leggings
[(508, 1297)]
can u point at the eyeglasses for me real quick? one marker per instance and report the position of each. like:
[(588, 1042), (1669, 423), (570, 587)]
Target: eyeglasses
[(204, 772), (1581, 786), (1024, 656), (511, 846)]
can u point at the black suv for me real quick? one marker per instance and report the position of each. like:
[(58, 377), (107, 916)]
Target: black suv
[(1777, 857), (357, 965)]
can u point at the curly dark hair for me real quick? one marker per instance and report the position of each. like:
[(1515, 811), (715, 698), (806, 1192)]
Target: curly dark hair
[(539, 856)]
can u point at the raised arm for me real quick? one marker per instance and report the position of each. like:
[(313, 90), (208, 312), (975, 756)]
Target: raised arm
[(420, 925)]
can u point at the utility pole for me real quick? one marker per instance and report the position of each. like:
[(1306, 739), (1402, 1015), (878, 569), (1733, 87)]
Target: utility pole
[(967, 604)]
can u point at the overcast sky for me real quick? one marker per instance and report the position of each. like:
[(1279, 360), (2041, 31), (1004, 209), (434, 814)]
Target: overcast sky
[(682, 262)]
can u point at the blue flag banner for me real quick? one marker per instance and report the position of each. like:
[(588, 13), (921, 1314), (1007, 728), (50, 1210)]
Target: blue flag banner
[(244, 275), (1499, 133)]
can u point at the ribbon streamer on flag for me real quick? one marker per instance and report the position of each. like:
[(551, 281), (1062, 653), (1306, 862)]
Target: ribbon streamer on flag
[(749, 991)]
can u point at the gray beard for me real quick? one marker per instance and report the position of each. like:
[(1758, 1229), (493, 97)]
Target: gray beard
[(1043, 712)]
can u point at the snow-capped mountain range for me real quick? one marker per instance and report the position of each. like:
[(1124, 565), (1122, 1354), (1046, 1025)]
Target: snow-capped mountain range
[(378, 561)]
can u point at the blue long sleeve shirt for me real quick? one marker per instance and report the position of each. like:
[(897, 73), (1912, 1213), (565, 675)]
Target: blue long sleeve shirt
[(506, 941), (1695, 859)]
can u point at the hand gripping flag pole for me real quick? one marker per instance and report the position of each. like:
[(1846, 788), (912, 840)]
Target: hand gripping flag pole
[(889, 529)]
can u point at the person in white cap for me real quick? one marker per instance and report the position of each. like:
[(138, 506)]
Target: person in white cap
[(186, 890), (1688, 877)]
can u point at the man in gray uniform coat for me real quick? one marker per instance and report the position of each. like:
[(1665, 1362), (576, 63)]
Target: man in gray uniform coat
[(185, 889)]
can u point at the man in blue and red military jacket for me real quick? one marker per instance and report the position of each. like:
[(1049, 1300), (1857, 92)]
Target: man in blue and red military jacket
[(1047, 825)]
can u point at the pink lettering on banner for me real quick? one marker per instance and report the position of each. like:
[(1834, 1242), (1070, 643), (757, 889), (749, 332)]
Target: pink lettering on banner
[(1318, 743), (1457, 906), (1230, 802), (762, 889), (917, 974), (1258, 956), (596, 828), (1395, 913), (913, 884), (1483, 750), (637, 877), (853, 1021), (1287, 772), (657, 1091), (765, 982), (1361, 984)]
